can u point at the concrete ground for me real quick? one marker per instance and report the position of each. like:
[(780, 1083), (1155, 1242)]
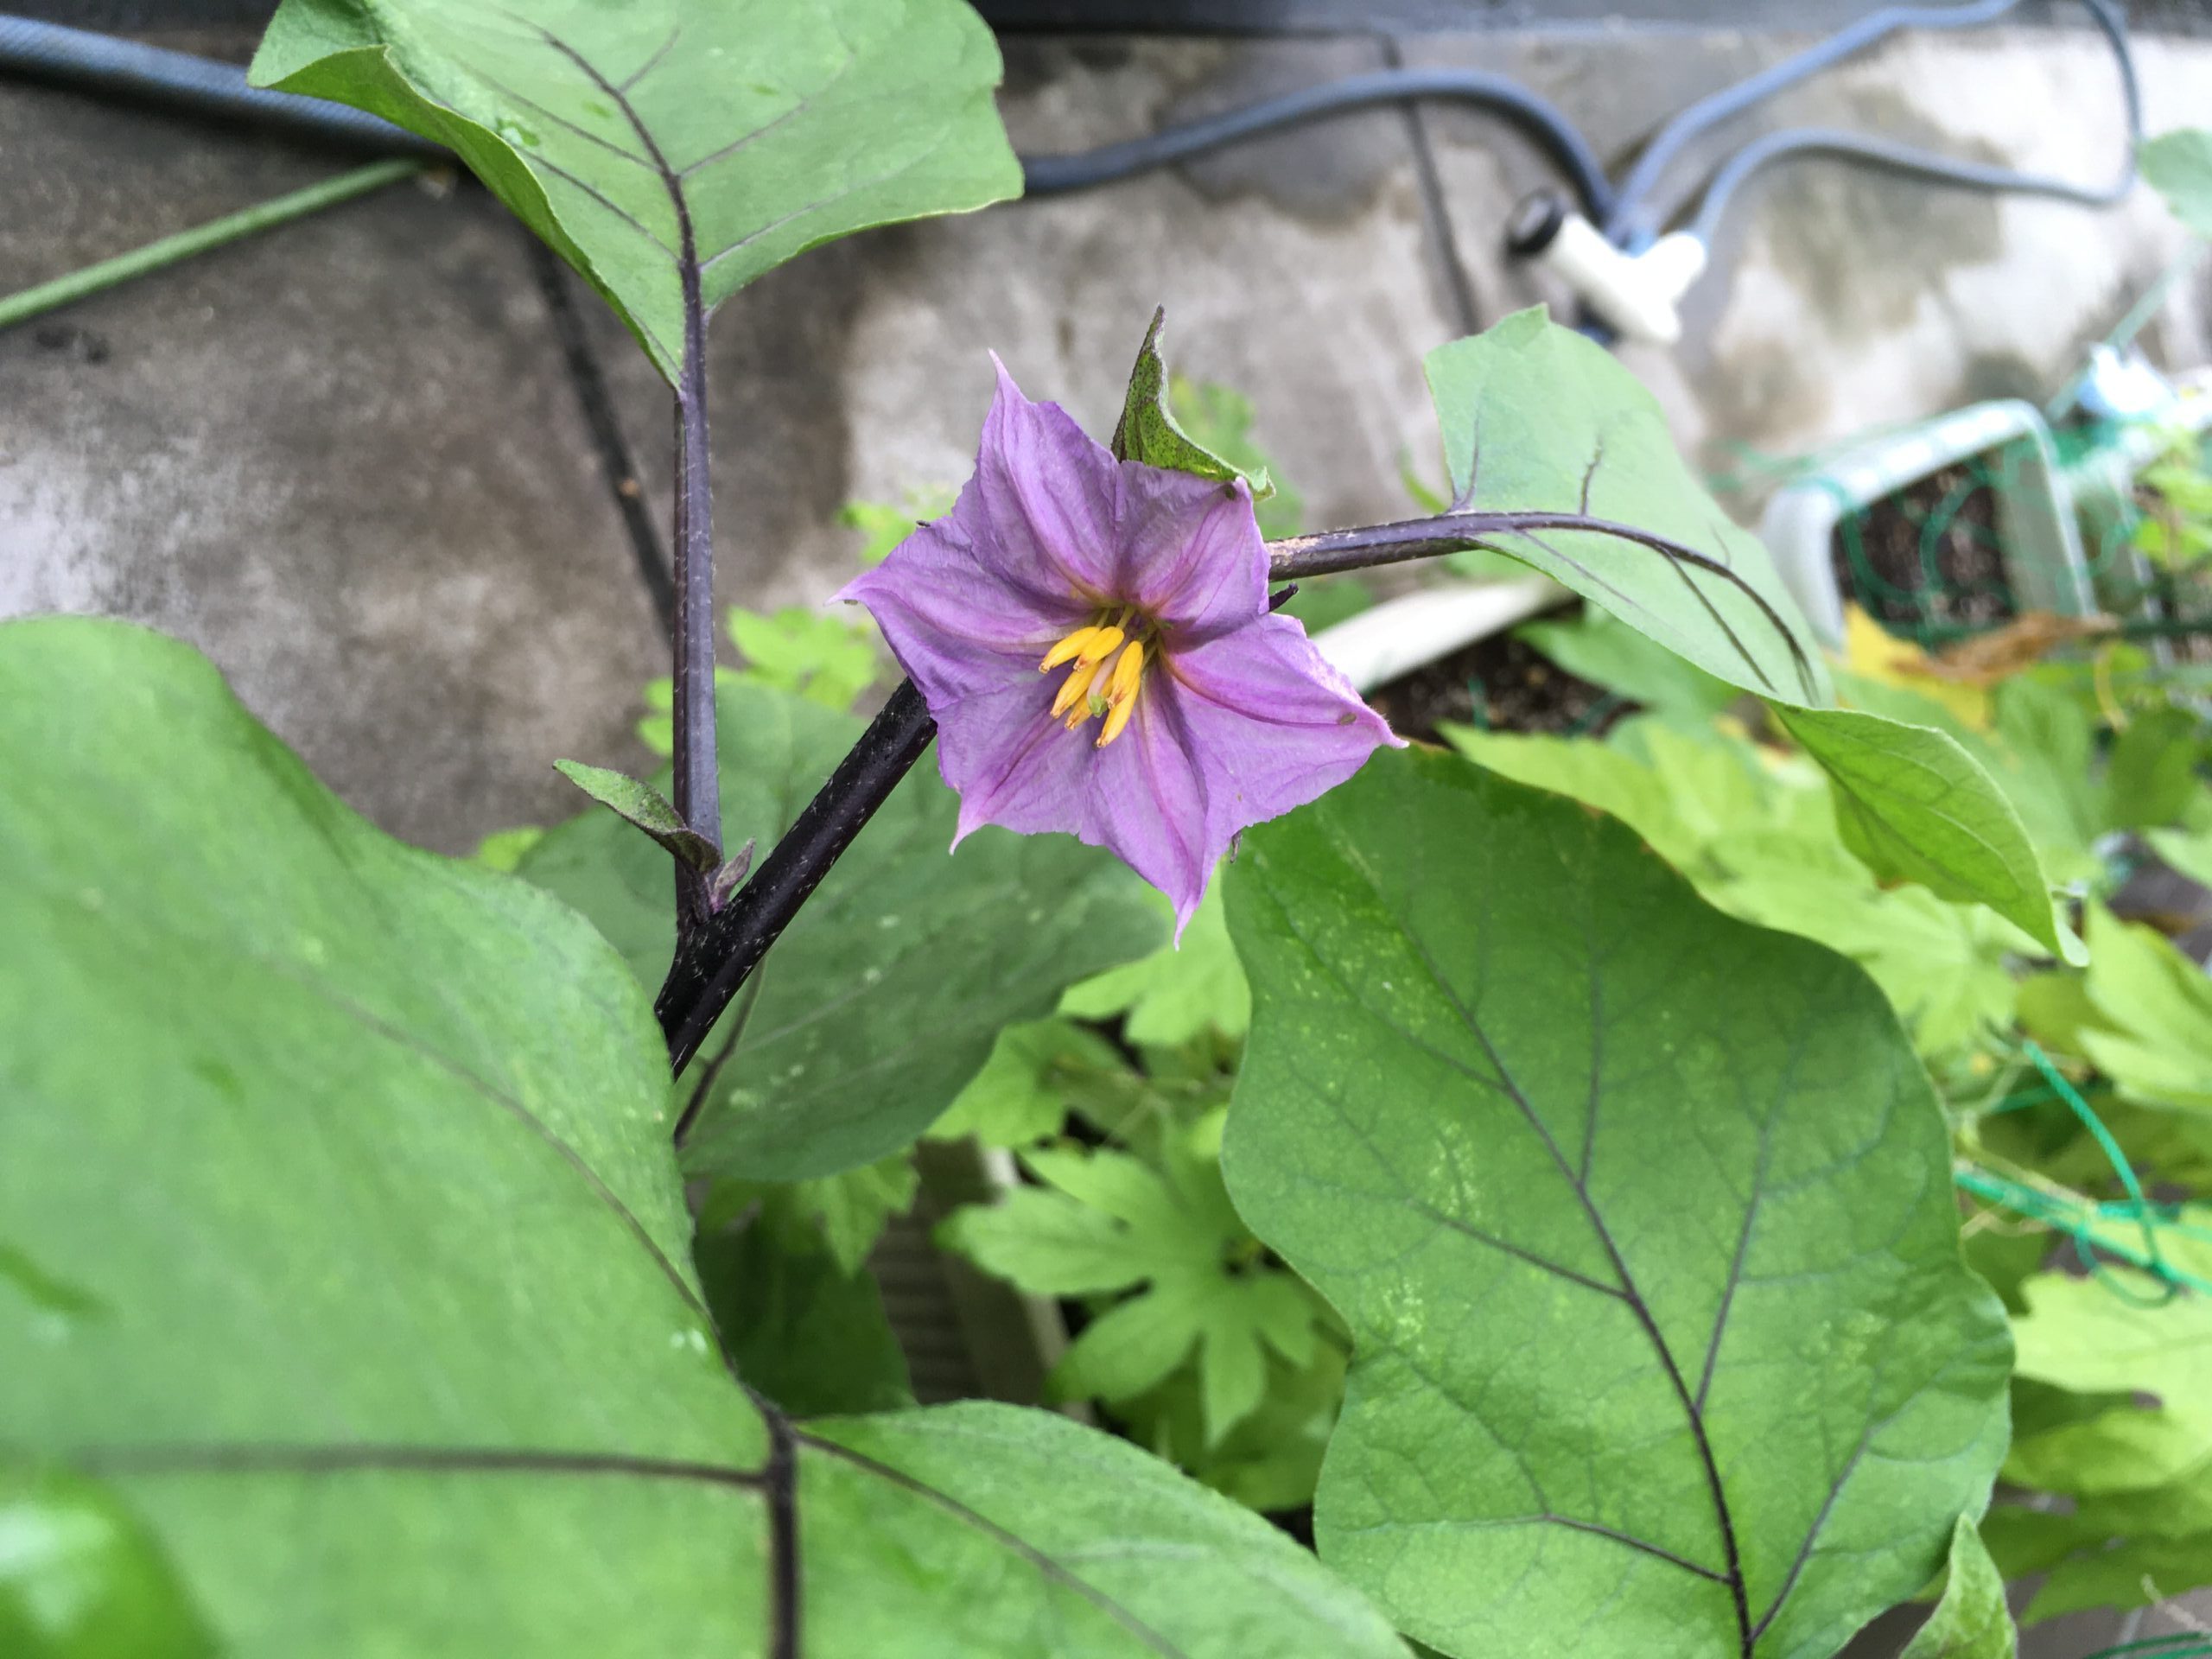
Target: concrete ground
[(406, 486)]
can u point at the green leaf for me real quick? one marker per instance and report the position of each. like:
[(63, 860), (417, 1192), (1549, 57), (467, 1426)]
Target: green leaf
[(1022, 1094), (81, 1577), (1106, 1221), (801, 1328), (643, 807), (1913, 806), (2178, 166), (2152, 1030), (1177, 993), (826, 659), (1536, 418), (1539, 419), (883, 997), (843, 1214), (2189, 851), (1641, 1221), (657, 138), (1148, 431), (2121, 1335), (1758, 837), (1271, 1459), (2153, 772), (2133, 1458), (502, 849), (1148, 1564), (1972, 1621), (394, 1347)]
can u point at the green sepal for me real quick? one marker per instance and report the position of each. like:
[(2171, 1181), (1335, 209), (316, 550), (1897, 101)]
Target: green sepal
[(1148, 433)]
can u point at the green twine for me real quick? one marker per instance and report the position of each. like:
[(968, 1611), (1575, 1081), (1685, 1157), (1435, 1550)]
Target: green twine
[(2080, 1218), (30, 302), (2181, 1644)]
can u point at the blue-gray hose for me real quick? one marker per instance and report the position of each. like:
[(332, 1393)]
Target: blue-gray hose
[(77, 57), (1631, 218), (1941, 169), (1541, 120)]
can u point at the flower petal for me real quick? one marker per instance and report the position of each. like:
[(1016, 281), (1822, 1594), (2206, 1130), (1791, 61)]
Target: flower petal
[(955, 627), (1147, 800), (1273, 724), (1043, 497), (1190, 552), (1011, 762)]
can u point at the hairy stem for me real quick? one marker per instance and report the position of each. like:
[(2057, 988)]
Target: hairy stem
[(713, 961), (698, 785)]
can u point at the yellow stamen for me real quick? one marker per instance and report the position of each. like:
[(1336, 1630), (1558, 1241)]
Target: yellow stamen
[(1084, 645), (1116, 718), (1084, 682), (1128, 671), (1067, 648)]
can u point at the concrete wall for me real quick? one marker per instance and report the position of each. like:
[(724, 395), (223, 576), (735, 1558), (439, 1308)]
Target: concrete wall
[(349, 459)]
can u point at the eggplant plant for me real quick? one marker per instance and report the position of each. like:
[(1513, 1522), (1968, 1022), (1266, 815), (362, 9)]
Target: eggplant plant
[(367, 1283)]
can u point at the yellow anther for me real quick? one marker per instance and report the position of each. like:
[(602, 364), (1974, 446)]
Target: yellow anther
[(1076, 690), (1067, 648), (1084, 645), (1128, 671), (1116, 718)]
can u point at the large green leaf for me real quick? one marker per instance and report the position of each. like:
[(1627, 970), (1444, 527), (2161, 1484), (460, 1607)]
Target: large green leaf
[(883, 997), (1076, 1545), (1641, 1221), (655, 139), (1538, 420), (1758, 836), (345, 1253)]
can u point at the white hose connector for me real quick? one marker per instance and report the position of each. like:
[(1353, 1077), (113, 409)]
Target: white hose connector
[(1637, 294)]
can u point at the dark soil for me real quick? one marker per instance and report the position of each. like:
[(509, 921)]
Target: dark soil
[(1499, 682), (1882, 555)]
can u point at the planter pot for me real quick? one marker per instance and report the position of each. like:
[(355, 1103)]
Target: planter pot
[(2101, 481), (2037, 545), (1414, 630)]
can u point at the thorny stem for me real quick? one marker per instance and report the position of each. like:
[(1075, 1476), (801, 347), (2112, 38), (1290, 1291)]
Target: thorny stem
[(714, 959)]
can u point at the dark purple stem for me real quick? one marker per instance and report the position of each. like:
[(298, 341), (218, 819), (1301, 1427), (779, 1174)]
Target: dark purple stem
[(698, 785), (712, 962)]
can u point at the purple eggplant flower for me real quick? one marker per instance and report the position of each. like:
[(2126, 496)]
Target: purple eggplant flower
[(1093, 638)]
